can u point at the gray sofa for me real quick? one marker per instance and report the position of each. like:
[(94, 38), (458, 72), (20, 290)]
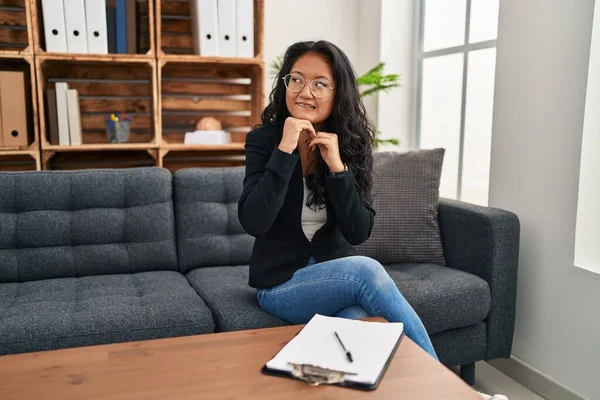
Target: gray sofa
[(101, 256)]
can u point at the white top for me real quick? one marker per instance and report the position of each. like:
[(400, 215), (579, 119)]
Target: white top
[(312, 220)]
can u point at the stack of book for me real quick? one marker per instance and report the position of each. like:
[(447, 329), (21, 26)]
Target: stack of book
[(64, 116), (90, 26)]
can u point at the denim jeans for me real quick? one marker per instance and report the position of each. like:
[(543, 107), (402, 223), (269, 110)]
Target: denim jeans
[(350, 287)]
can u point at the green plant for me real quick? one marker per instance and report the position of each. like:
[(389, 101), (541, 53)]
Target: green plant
[(275, 66), (376, 81), (371, 82)]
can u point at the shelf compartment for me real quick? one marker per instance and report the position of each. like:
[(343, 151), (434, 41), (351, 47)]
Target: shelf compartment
[(15, 27), (104, 87), (175, 160), (26, 65), (101, 159), (142, 30), (189, 91), (174, 28), (20, 161)]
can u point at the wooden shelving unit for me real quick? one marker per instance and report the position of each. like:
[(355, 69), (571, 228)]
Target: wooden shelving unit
[(164, 88), (13, 156)]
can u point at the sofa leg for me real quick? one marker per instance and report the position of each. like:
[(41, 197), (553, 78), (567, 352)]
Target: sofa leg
[(467, 373)]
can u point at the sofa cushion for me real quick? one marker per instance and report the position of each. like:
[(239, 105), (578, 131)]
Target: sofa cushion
[(444, 298), (70, 312), (406, 198), (209, 232), (232, 302), (58, 224)]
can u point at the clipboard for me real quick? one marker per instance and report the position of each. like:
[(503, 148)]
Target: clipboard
[(315, 375)]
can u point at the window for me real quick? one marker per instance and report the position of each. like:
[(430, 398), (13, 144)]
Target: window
[(587, 237), (456, 67)]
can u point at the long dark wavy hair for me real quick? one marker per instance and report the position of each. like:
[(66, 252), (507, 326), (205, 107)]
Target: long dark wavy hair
[(348, 118)]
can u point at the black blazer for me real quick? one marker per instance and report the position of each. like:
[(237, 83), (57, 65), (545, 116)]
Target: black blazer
[(270, 209)]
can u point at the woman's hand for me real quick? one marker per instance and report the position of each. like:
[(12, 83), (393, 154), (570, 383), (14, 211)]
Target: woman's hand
[(329, 148), (291, 132)]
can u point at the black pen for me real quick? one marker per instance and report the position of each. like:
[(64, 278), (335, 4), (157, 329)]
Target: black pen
[(344, 347)]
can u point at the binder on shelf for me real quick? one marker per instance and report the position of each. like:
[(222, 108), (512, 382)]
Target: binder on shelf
[(132, 28), (54, 26), (111, 26), (227, 31), (245, 28), (338, 351), (13, 109), (74, 117), (75, 24), (121, 24), (205, 28), (95, 20), (52, 117), (62, 113)]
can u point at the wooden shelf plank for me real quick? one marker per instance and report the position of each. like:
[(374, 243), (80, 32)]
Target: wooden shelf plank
[(102, 147), (5, 152), (16, 18), (204, 88), (203, 147), (194, 58), (13, 3), (203, 104), (22, 53), (122, 58), (17, 55)]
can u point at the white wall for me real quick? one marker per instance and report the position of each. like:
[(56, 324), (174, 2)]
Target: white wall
[(369, 38), (287, 22), (587, 244), (396, 108), (541, 77)]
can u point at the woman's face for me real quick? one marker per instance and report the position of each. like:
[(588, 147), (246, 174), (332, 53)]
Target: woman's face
[(313, 69)]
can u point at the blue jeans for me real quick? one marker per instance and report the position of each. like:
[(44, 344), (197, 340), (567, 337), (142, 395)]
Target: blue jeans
[(350, 287)]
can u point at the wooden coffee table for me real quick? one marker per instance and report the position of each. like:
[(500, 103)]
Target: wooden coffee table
[(215, 366)]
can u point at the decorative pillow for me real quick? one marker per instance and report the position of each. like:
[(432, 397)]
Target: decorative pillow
[(406, 198)]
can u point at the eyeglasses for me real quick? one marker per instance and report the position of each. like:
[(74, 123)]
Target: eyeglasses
[(318, 87)]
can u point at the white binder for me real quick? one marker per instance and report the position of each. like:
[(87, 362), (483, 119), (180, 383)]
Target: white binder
[(205, 27), (74, 117), (95, 20), (245, 28), (227, 35), (75, 24), (54, 26), (62, 113)]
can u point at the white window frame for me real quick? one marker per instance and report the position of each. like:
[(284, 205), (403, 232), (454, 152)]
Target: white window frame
[(421, 55)]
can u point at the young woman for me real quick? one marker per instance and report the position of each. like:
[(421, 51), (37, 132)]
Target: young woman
[(306, 198)]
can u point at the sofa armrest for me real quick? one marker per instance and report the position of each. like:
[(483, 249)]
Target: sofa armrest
[(485, 241)]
